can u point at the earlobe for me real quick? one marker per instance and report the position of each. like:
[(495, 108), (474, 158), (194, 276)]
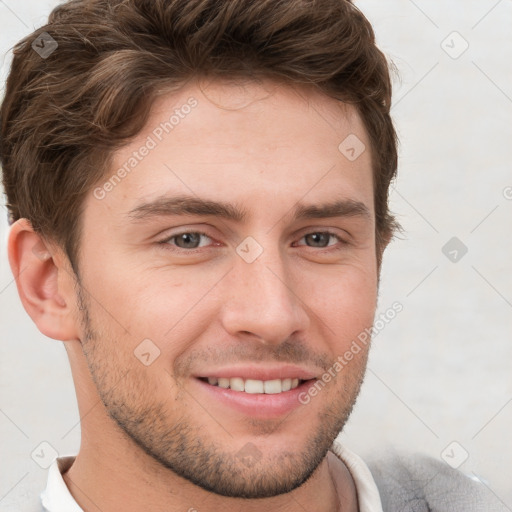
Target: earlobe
[(44, 284)]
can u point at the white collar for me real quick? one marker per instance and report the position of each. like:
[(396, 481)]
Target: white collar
[(57, 498), (368, 496)]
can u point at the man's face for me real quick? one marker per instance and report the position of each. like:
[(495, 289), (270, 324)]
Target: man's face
[(272, 295)]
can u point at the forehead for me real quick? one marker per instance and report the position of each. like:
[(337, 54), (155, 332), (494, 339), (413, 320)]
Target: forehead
[(232, 111), (239, 140)]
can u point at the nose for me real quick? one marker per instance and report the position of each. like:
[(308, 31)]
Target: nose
[(263, 299)]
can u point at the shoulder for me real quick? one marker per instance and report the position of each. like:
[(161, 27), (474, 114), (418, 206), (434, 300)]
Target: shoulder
[(419, 483)]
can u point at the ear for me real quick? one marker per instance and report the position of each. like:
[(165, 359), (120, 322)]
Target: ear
[(45, 282)]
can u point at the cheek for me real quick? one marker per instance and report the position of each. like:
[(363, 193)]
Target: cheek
[(161, 305), (344, 302)]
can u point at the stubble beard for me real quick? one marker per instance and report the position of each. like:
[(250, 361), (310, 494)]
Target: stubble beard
[(163, 431)]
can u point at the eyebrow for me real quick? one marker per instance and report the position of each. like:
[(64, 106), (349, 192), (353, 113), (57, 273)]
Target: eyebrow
[(190, 205)]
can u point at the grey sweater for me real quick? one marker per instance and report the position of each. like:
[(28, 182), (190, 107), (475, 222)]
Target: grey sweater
[(417, 483)]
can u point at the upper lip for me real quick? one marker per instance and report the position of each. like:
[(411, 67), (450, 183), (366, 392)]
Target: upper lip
[(260, 373)]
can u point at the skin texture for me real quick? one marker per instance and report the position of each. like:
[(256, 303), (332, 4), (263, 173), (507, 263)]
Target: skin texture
[(152, 439)]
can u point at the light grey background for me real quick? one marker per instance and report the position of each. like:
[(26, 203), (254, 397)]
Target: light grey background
[(441, 371)]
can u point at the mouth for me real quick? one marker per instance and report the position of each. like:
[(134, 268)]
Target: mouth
[(262, 399), (253, 386)]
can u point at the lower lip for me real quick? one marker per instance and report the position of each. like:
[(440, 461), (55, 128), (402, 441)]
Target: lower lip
[(258, 405)]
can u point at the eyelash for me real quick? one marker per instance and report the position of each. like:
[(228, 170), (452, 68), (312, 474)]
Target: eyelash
[(167, 246)]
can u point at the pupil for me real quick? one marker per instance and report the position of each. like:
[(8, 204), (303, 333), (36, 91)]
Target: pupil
[(318, 236), (189, 238)]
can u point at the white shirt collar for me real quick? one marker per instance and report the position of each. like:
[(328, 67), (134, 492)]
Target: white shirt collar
[(368, 495), (57, 498)]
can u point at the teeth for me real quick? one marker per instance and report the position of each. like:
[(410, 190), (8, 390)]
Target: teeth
[(223, 383), (254, 386), (273, 386), (236, 384)]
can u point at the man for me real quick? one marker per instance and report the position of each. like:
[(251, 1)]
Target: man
[(198, 193)]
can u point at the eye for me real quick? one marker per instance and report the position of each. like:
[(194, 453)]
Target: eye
[(186, 240), (191, 240), (320, 239)]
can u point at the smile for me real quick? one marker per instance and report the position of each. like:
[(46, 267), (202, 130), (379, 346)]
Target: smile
[(253, 386)]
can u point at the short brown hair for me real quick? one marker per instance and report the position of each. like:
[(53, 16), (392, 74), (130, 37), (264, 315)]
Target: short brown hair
[(64, 115)]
